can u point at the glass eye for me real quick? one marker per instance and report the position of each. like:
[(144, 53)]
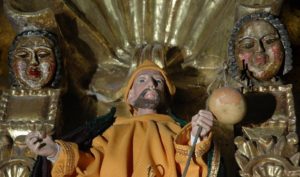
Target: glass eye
[(271, 38), (141, 80), (247, 45), (159, 81), (43, 54), (22, 54), (270, 41)]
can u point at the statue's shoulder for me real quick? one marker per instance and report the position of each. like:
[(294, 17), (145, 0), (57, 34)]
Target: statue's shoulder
[(84, 134)]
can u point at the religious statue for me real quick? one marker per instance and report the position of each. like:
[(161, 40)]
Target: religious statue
[(259, 55), (150, 140), (35, 60), (259, 50), (104, 41), (32, 102)]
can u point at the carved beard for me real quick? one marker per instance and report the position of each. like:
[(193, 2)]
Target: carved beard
[(142, 102)]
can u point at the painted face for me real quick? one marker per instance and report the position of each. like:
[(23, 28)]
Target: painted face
[(148, 90), (34, 62), (258, 45)]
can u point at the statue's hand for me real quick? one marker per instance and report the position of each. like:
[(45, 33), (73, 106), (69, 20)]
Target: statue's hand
[(42, 145), (205, 120)]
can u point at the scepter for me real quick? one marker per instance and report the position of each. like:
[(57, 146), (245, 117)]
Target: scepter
[(192, 150), (228, 106)]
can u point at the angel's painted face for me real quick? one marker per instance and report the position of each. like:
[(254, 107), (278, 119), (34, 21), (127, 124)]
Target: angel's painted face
[(34, 63), (258, 45)]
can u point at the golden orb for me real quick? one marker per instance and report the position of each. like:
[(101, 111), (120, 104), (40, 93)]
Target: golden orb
[(227, 104)]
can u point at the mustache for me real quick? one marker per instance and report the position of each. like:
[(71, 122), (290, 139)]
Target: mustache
[(146, 90)]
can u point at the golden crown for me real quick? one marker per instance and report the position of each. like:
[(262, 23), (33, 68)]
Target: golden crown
[(245, 7), (24, 19)]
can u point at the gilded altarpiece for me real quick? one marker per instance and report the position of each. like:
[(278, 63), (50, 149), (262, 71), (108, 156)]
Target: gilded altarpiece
[(106, 40)]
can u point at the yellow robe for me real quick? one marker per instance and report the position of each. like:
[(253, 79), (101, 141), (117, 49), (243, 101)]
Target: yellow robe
[(143, 146)]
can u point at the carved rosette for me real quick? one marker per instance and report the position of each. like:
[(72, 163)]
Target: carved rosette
[(271, 148), (268, 156)]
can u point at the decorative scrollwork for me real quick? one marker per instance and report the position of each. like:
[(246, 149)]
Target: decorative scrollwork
[(268, 156)]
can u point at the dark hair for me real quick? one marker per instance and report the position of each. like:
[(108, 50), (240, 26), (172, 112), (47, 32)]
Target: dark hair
[(275, 22), (56, 48)]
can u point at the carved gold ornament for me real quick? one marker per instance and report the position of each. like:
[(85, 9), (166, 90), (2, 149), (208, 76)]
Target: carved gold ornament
[(23, 111), (270, 148), (268, 156)]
